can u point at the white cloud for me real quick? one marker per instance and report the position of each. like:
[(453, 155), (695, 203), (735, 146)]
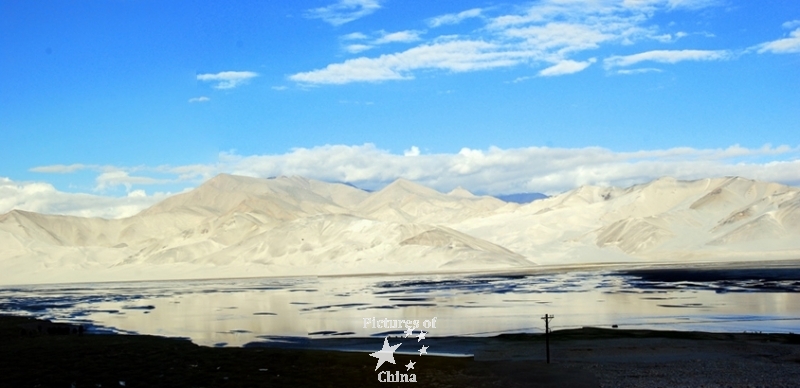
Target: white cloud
[(344, 11), (791, 24), (44, 198), (638, 71), (227, 79), (454, 18), (566, 67), (62, 169), (354, 36), (668, 38), (782, 46), (399, 36), (353, 70), (192, 172), (456, 56), (113, 176), (199, 99), (357, 48), (384, 37), (667, 56), (560, 37), (522, 79), (413, 151), (110, 179), (137, 194), (544, 32), (692, 4)]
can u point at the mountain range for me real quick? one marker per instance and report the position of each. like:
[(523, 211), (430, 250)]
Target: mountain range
[(234, 226)]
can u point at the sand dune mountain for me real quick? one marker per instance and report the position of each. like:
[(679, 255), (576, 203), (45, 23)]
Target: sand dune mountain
[(709, 219), (280, 198), (461, 193), (241, 226), (634, 235), (405, 201)]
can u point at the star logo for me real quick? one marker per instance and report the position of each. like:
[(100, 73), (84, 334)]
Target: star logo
[(421, 336), (423, 350), (386, 353), (408, 333), (410, 365)]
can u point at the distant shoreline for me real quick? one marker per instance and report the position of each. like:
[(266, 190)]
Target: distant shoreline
[(534, 270)]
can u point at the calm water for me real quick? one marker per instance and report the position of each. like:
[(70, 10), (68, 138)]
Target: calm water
[(241, 311)]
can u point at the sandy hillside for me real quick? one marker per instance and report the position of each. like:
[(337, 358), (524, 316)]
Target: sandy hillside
[(664, 220), (239, 226)]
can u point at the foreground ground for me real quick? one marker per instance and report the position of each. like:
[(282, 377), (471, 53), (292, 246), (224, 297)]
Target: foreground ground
[(581, 358)]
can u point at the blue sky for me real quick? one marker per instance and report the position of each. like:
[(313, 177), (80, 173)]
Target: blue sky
[(108, 106)]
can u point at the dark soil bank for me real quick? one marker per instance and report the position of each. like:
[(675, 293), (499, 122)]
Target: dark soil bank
[(41, 354), (64, 357)]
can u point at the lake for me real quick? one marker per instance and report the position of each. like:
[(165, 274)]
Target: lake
[(235, 312)]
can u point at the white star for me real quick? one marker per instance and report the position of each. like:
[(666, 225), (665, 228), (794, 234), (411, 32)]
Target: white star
[(421, 351), (410, 365), (386, 353), (409, 332), (421, 336)]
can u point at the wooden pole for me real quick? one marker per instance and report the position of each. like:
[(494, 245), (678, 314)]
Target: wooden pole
[(547, 319)]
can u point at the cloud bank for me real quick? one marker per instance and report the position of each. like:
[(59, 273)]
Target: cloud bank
[(44, 198), (492, 171)]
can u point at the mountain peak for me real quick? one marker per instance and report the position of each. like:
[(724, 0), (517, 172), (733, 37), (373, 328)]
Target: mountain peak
[(228, 181), (461, 193), (404, 186)]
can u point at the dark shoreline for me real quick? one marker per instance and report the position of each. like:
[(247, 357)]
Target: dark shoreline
[(539, 269), (68, 358)]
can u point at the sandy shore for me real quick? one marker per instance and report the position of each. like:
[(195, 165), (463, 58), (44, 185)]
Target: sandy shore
[(580, 358)]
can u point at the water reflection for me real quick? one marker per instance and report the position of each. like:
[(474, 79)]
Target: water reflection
[(239, 311)]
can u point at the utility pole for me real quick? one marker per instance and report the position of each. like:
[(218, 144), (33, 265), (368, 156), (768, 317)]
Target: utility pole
[(547, 319)]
